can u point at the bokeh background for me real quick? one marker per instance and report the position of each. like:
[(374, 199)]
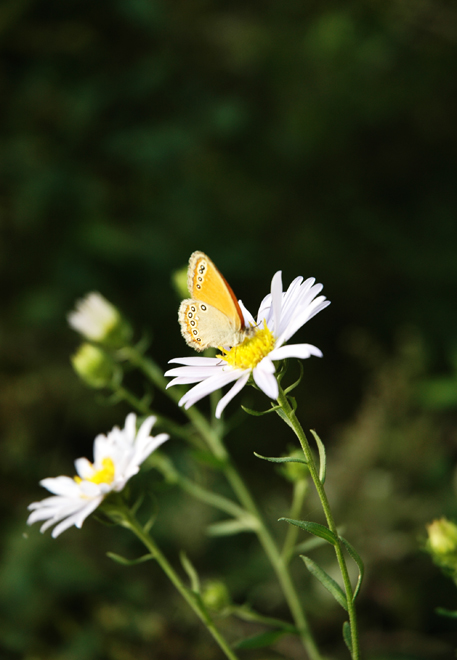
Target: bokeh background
[(316, 138)]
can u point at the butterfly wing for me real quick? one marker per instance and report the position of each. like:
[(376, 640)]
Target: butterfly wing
[(203, 325), (207, 284)]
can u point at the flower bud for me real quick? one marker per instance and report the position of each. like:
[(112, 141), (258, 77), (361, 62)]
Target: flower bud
[(93, 365), (442, 537), (98, 320), (216, 596), (295, 471), (179, 282), (442, 544)]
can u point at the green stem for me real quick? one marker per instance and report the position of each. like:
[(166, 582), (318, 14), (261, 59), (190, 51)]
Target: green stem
[(300, 488), (299, 432), (215, 444), (192, 598)]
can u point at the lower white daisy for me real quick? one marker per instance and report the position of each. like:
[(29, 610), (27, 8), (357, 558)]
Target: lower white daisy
[(117, 457), (279, 317)]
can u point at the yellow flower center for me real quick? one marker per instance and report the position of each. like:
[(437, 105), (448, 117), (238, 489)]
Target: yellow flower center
[(251, 351), (103, 476)]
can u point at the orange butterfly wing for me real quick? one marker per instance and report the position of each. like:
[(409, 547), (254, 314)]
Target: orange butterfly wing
[(207, 284)]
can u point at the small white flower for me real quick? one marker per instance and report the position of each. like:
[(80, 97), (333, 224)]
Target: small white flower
[(95, 318), (280, 315), (117, 457)]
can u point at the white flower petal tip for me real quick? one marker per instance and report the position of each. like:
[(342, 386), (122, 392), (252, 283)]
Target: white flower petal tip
[(281, 314), (117, 457)]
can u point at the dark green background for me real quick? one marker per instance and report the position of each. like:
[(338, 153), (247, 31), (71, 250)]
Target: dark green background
[(316, 138)]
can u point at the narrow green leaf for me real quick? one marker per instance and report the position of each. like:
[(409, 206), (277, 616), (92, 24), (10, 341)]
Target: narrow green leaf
[(229, 527), (281, 459), (191, 572), (444, 612), (259, 413), (298, 381), (322, 457), (358, 560), (282, 370), (347, 635), (150, 522), (261, 640), (129, 562), (284, 417), (314, 528), (247, 614), (293, 402), (325, 579)]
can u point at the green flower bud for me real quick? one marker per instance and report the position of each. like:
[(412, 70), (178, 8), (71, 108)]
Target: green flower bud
[(442, 544), (216, 596), (442, 537), (294, 471), (98, 320), (93, 365), (179, 282)]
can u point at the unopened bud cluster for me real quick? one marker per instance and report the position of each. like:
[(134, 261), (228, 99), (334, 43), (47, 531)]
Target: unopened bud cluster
[(442, 545)]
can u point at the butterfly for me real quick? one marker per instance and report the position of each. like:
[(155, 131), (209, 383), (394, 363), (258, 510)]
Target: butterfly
[(212, 316)]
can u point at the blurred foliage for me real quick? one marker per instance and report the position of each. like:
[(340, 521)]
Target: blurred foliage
[(319, 138)]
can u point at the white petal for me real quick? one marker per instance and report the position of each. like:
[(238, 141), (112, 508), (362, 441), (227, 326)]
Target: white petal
[(181, 380), (233, 391), (302, 317), (196, 372), (65, 486), (267, 382), (265, 312), (276, 298), (76, 519), (145, 429), (84, 468), (302, 351), (130, 428), (209, 385), (249, 320), (195, 361)]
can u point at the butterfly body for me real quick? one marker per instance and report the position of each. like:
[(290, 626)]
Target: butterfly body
[(212, 317)]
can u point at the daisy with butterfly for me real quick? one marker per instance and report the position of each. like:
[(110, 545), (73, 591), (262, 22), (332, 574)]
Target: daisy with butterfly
[(213, 317), (249, 349)]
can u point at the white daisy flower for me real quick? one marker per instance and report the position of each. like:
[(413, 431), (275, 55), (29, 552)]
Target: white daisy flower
[(117, 457), (279, 317), (98, 320)]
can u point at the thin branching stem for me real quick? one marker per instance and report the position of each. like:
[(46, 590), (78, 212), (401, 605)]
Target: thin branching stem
[(192, 598), (299, 432), (212, 435)]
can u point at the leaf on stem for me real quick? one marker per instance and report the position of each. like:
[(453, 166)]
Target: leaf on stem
[(324, 578), (259, 413), (358, 560), (129, 562), (281, 459), (314, 528), (191, 572), (261, 640), (347, 636), (230, 527), (246, 613), (298, 381), (284, 417), (322, 457)]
